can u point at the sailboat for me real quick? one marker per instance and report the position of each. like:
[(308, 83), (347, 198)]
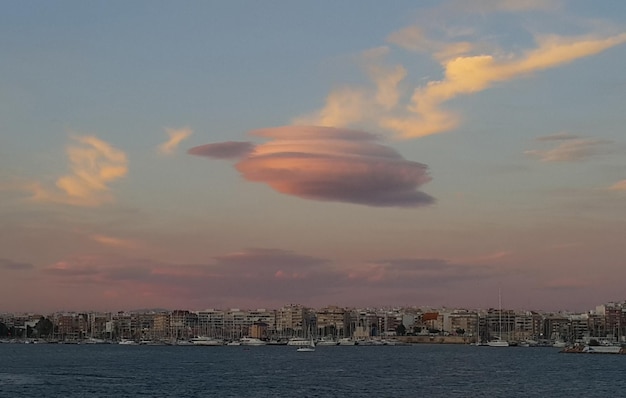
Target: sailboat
[(310, 347), (307, 348), (498, 342)]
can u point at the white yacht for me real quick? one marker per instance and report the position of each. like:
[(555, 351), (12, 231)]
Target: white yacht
[(497, 343), (252, 341), (183, 342), (298, 342), (347, 341), (603, 349), (327, 341), (127, 342), (206, 341)]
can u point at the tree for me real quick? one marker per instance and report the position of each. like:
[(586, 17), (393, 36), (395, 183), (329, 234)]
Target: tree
[(400, 330), (4, 330), (460, 331), (44, 327)]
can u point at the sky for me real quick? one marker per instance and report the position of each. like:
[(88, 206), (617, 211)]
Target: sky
[(239, 154)]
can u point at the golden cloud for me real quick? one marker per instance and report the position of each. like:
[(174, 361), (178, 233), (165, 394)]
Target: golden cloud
[(463, 74), (471, 74), (94, 164), (619, 186), (176, 136)]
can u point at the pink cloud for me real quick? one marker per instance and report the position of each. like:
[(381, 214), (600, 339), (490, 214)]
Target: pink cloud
[(252, 276), (567, 283), (328, 164)]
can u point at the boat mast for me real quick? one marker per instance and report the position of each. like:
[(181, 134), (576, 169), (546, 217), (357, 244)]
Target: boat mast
[(500, 310)]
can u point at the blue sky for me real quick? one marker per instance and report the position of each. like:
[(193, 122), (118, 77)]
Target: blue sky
[(489, 154)]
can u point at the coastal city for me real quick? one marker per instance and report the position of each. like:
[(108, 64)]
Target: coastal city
[(293, 324)]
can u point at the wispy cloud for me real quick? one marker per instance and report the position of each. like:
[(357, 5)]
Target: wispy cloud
[(328, 164), (468, 68), (618, 186), (223, 150), (487, 258), (413, 38), (94, 164), (240, 277), (570, 149), (488, 6), (558, 137), (273, 275), (566, 283), (471, 74), (176, 136), (14, 265), (420, 272), (112, 241)]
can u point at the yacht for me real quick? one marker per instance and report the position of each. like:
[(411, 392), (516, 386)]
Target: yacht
[(252, 341), (347, 341), (127, 342), (206, 341), (183, 342), (497, 343), (603, 349), (327, 341), (298, 342)]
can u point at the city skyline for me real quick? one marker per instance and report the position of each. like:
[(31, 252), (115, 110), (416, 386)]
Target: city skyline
[(158, 155)]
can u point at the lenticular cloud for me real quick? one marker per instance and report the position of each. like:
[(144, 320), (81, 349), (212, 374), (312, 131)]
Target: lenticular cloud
[(328, 164)]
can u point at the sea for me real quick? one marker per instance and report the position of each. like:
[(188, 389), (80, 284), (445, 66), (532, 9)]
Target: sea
[(62, 370)]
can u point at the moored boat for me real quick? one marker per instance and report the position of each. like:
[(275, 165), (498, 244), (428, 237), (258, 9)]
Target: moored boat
[(252, 341), (347, 341), (310, 347), (298, 342), (206, 341)]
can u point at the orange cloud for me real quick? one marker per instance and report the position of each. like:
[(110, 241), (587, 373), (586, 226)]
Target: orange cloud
[(618, 186), (471, 74), (176, 136), (463, 74), (329, 164), (94, 164)]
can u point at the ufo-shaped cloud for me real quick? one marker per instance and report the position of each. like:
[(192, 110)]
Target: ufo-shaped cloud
[(328, 164)]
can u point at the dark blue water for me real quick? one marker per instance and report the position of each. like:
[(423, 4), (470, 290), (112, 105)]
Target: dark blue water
[(29, 370)]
